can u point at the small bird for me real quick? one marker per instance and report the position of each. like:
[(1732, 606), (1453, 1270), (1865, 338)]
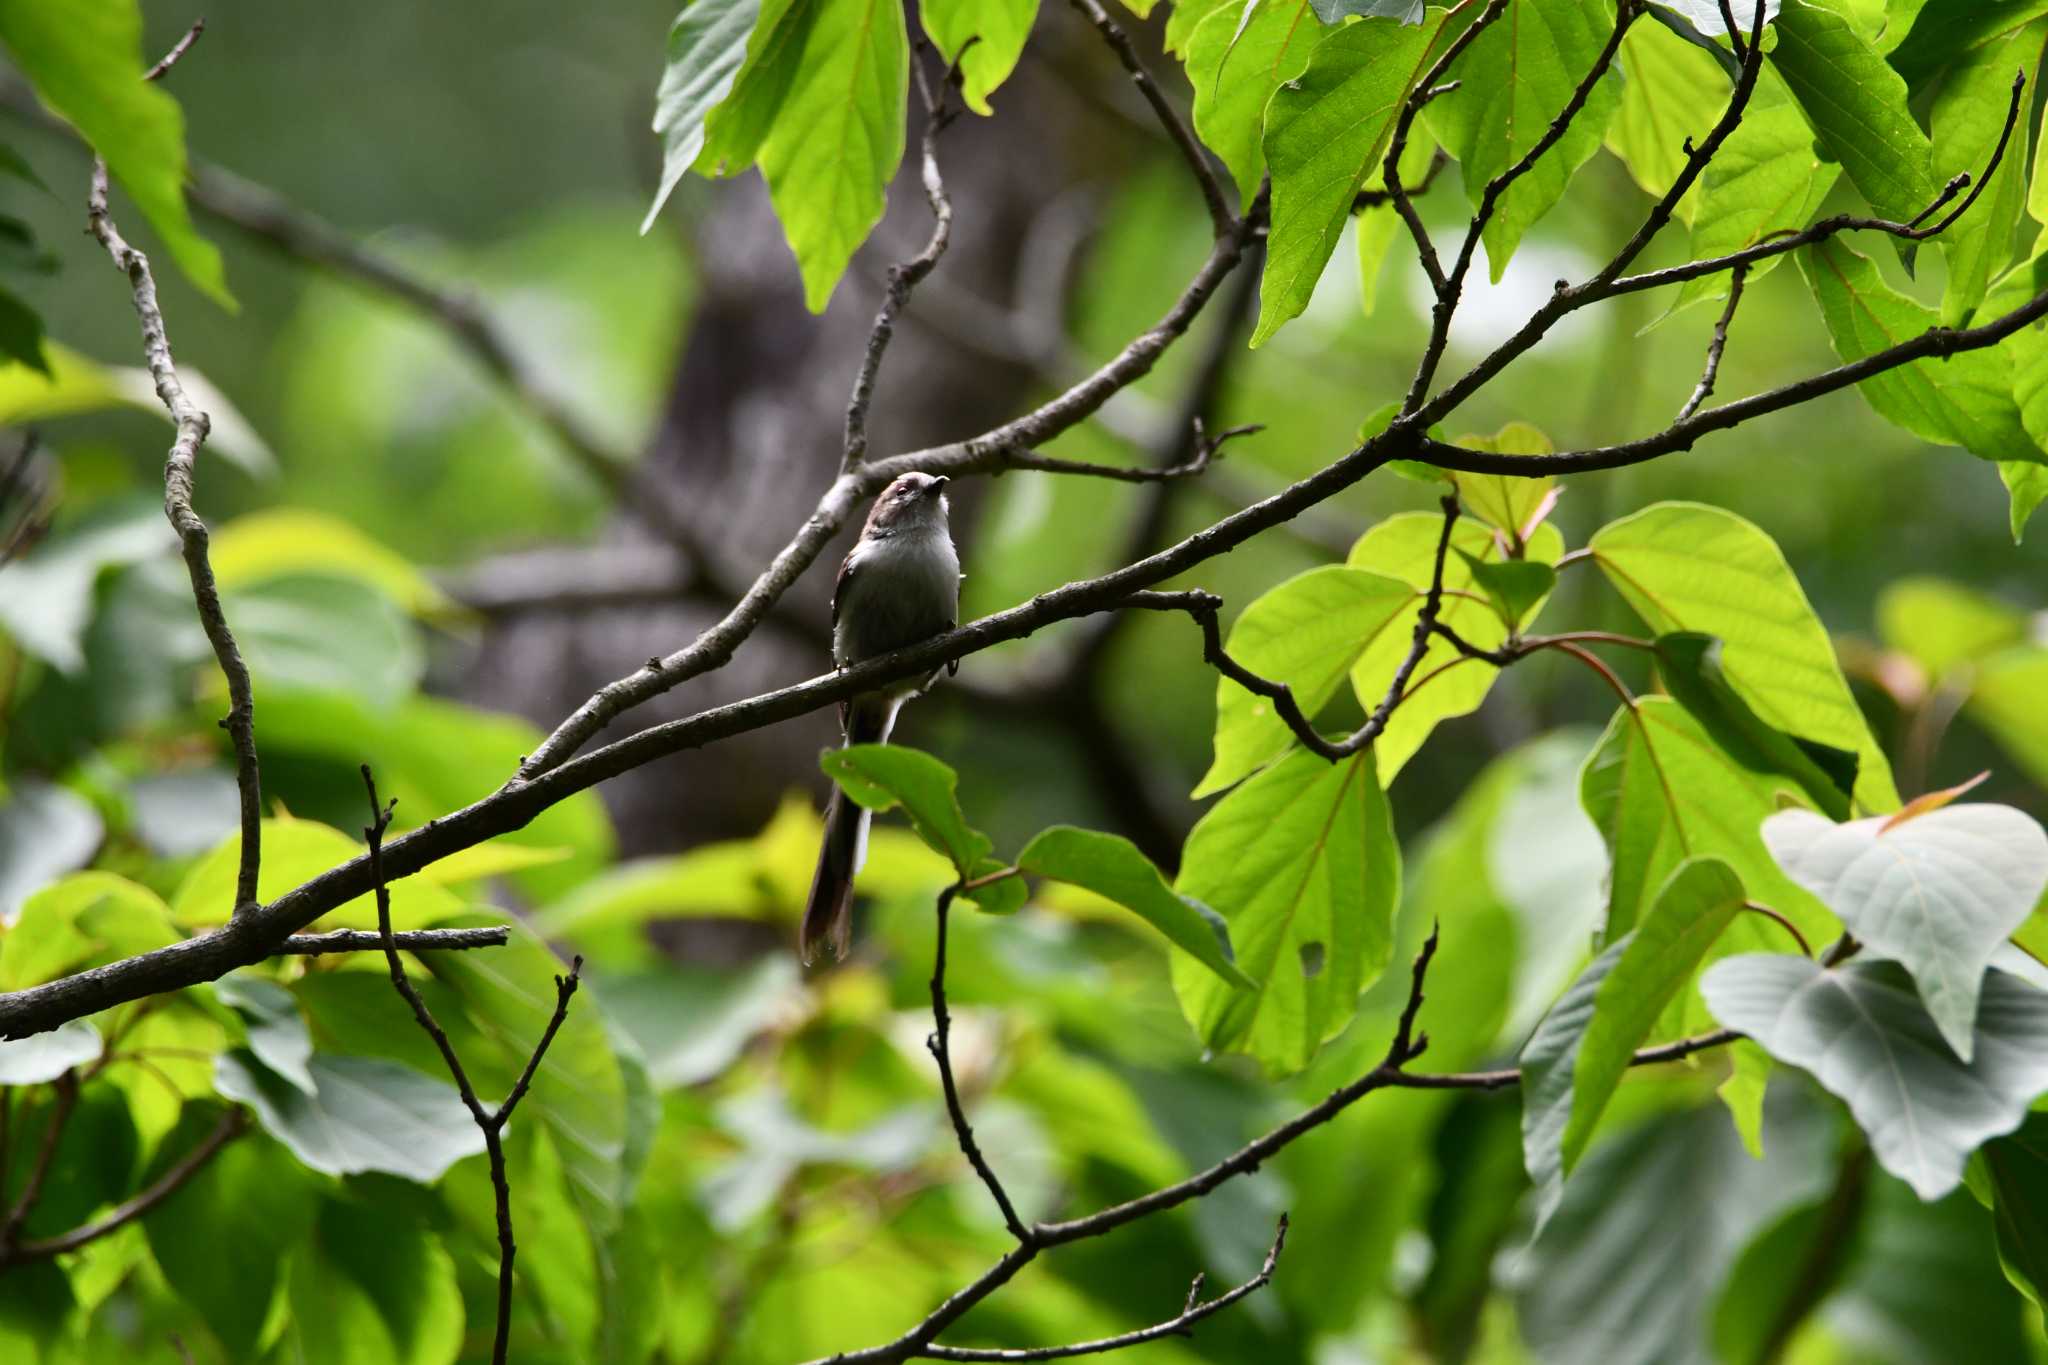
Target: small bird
[(900, 584)]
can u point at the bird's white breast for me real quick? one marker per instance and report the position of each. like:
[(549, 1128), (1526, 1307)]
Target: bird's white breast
[(900, 589)]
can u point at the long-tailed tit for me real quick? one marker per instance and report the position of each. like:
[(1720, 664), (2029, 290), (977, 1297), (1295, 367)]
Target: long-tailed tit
[(900, 584)]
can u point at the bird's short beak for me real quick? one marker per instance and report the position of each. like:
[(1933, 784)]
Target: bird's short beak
[(938, 485)]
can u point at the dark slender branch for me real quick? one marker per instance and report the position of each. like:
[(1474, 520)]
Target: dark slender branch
[(180, 471), (1452, 285), (1380, 198), (939, 1044), (412, 940), (1716, 345), (231, 1125), (63, 1099), (179, 49), (904, 277), (1180, 1326), (490, 1122), (1205, 450), (1177, 130), (1510, 1076), (1427, 89)]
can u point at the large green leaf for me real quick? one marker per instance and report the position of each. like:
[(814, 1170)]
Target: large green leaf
[(271, 1020), (1969, 117), (1966, 400), (1506, 503), (1691, 567), (1302, 863), (1937, 893), (1111, 866), (1767, 178), (1235, 62), (374, 1284), (2006, 700), (838, 135), (1948, 29), (75, 384), (1580, 1052), (326, 634), (1626, 1271), (884, 776), (365, 1114), (2016, 1167), (1326, 131), (707, 45), (45, 831), (1516, 78), (1945, 626), (1857, 106), (1674, 94), (281, 542), (998, 30), (1690, 666), (1403, 547), (223, 1235), (85, 61), (49, 601), (1307, 633), (1662, 791), (84, 920), (1860, 1030)]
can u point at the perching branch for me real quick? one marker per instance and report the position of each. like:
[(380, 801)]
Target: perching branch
[(180, 470), (490, 1122), (1177, 130), (412, 940), (1716, 346)]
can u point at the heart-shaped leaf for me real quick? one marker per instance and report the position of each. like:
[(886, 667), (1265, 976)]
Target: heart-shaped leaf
[(885, 776), (1863, 1033), (1938, 893), (365, 1114), (1112, 867)]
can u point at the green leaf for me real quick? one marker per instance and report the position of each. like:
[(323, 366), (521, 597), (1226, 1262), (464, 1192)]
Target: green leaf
[(296, 851), (1626, 1271), (365, 1114), (1945, 626), (1306, 633), (1966, 400), (21, 333), (1580, 1052), (1001, 28), (1516, 78), (1326, 131), (49, 601), (707, 45), (376, 1284), (1969, 116), (86, 919), (1112, 867), (2027, 485), (2017, 1168), (1183, 20), (692, 1022), (1690, 665), (1857, 106), (1515, 586), (1302, 863), (1690, 567), (1661, 791), (1404, 547), (1675, 93), (85, 62), (1860, 1030), (1937, 893), (1948, 29), (1373, 232), (222, 1236), (1507, 504), (1766, 179), (1749, 1074), (44, 1057), (837, 136), (2006, 699), (282, 542), (75, 384), (1235, 61), (318, 633), (1698, 903), (45, 832), (735, 129), (276, 1030), (884, 776)]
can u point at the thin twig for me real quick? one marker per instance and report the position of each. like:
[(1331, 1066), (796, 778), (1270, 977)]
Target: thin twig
[(63, 1099), (939, 1044), (180, 470), (1759, 908), (490, 1122), (412, 940), (1180, 1326), (170, 59), (231, 1125), (1427, 89), (1380, 198), (1177, 130), (1205, 451), (904, 277), (1716, 345)]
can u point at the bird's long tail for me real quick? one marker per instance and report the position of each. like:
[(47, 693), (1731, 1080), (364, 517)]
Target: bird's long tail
[(828, 914)]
